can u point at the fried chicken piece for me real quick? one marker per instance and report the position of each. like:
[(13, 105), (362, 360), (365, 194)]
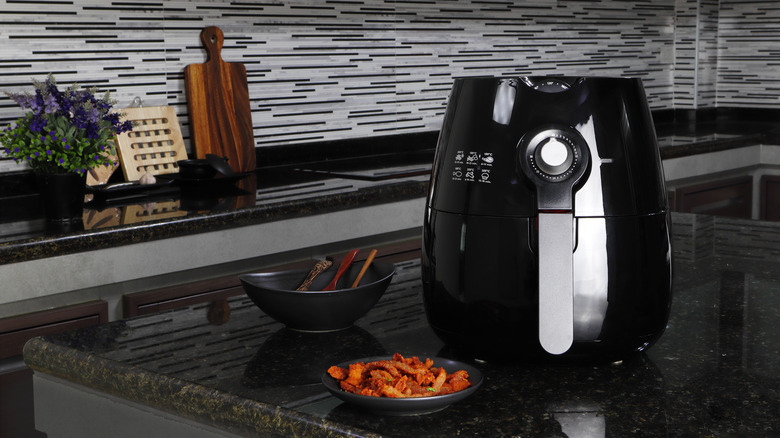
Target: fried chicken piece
[(337, 373), (441, 377), (348, 387), (356, 371), (386, 365), (406, 368), (381, 374), (389, 391), (459, 380)]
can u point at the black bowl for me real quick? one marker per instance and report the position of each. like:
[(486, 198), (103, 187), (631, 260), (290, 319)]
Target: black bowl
[(314, 310), (196, 169)]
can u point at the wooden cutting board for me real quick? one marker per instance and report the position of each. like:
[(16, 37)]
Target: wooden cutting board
[(218, 102)]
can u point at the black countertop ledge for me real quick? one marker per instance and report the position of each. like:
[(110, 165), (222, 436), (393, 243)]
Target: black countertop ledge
[(714, 372), (279, 194), (309, 193)]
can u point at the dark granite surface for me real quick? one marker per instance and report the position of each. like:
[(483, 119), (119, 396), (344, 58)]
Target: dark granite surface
[(715, 372), (171, 211), (312, 179), (682, 139)]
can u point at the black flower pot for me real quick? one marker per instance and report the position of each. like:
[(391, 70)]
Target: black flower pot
[(62, 195)]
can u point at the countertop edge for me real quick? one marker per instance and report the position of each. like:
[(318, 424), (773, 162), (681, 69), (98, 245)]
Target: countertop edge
[(175, 396), (703, 147), (51, 246)]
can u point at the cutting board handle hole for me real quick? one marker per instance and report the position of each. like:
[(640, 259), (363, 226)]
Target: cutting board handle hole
[(155, 144)]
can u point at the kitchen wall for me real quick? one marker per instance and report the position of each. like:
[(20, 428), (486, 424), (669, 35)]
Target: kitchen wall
[(696, 53), (328, 69), (748, 54)]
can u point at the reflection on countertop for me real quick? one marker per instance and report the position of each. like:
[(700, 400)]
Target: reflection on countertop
[(170, 211), (713, 373)]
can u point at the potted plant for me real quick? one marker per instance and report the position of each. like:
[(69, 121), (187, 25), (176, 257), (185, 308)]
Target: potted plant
[(62, 136)]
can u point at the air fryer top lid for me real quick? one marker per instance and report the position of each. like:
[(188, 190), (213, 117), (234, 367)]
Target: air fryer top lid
[(515, 146)]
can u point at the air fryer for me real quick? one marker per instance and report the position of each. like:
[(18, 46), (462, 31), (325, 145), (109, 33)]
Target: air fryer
[(546, 232)]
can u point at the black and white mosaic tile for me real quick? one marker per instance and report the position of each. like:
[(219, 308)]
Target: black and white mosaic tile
[(331, 69), (748, 54)]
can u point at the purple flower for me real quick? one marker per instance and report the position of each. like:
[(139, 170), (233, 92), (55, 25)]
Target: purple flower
[(24, 101), (36, 102), (94, 115), (37, 124), (74, 109), (50, 104)]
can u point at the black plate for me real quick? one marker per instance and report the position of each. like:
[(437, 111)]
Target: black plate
[(406, 406)]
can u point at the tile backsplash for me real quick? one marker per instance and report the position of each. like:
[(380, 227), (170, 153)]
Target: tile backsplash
[(330, 69)]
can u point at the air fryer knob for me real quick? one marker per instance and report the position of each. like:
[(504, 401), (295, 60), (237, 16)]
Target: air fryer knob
[(554, 158)]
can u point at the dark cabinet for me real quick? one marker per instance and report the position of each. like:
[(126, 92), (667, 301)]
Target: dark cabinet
[(729, 197), (15, 331), (770, 198)]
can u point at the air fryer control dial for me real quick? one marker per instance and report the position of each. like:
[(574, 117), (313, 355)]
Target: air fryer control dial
[(553, 158)]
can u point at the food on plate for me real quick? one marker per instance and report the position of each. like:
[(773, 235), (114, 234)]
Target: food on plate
[(399, 377)]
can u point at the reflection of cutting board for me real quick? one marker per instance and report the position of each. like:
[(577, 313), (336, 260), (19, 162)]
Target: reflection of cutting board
[(132, 214), (218, 102)]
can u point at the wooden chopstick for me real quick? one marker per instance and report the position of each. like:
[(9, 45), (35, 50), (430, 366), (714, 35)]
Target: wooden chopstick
[(365, 267)]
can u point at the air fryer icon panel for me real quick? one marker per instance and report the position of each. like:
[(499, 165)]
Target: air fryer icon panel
[(472, 166), (554, 158)]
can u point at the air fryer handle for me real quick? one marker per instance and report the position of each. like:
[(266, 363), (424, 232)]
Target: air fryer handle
[(556, 281), (555, 159)]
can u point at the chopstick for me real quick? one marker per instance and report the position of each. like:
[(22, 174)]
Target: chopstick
[(365, 267), (318, 269)]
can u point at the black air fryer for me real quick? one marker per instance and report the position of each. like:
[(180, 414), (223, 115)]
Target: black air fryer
[(546, 232)]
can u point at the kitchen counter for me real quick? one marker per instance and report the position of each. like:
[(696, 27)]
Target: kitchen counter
[(278, 193), (189, 232), (169, 211), (284, 206), (713, 373), (272, 194)]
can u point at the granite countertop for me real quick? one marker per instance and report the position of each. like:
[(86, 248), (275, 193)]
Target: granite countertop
[(175, 210), (282, 192), (713, 373)]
